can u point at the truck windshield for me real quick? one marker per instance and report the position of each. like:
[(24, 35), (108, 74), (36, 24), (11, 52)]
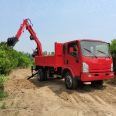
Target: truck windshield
[(95, 48)]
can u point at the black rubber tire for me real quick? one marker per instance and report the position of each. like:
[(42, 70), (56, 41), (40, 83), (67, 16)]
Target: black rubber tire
[(97, 84), (41, 75), (70, 82), (45, 74)]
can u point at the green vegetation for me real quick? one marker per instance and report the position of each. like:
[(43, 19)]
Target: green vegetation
[(3, 106), (113, 46), (11, 59), (113, 52), (2, 80), (111, 81), (2, 93)]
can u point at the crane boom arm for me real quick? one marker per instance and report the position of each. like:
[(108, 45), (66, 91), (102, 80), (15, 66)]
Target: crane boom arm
[(13, 40)]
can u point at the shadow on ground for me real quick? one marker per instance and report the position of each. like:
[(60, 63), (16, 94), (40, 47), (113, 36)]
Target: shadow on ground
[(58, 86), (112, 82)]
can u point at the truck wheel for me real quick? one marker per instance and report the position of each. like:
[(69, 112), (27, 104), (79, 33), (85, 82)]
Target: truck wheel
[(70, 82), (40, 75), (46, 75), (97, 84)]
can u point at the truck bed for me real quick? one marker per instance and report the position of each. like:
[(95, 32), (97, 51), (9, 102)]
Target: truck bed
[(51, 61)]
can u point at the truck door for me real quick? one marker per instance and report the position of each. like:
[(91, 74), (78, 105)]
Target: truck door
[(71, 57)]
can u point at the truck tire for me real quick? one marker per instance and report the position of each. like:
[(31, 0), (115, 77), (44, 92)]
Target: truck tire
[(40, 75), (45, 74), (97, 84), (70, 82)]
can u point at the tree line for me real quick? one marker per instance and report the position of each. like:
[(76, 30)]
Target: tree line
[(12, 59)]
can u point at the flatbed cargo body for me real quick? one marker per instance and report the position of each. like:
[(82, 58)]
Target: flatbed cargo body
[(55, 60), (52, 61)]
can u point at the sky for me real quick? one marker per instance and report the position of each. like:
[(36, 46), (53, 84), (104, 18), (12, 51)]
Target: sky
[(58, 21)]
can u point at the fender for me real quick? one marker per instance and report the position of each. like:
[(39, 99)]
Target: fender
[(67, 69)]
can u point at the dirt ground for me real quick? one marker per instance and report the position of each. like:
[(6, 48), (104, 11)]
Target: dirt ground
[(51, 98)]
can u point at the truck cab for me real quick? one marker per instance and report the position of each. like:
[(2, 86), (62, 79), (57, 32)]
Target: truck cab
[(87, 61)]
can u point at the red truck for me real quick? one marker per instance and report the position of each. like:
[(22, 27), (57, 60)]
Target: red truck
[(76, 61)]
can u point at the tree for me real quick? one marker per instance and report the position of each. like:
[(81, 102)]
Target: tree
[(113, 52), (11, 59)]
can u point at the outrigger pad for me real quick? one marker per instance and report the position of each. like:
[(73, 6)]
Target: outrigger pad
[(12, 41)]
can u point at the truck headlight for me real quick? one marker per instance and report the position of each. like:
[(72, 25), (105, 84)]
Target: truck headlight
[(111, 67), (85, 67)]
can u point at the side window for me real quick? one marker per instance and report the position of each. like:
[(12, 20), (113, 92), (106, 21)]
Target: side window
[(73, 49)]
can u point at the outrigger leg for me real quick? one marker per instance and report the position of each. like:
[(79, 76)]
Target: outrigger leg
[(33, 74)]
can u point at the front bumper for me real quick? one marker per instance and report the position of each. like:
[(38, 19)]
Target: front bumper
[(97, 76)]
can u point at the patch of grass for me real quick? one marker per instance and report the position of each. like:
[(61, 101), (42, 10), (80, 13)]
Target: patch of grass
[(3, 106), (2, 80), (3, 94), (112, 81)]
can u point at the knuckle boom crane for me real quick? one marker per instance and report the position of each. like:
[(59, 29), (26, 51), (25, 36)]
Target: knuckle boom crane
[(76, 61), (28, 26)]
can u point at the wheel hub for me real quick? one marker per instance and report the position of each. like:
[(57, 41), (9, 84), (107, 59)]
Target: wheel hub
[(69, 81)]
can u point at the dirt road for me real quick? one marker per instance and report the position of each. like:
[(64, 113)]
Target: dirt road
[(51, 98)]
